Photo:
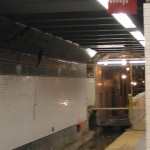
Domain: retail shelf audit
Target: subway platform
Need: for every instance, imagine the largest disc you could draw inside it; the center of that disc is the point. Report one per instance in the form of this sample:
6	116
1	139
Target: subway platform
132	139
129	140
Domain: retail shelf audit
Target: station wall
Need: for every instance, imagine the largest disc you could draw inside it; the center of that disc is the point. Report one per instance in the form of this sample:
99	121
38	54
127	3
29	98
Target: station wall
32	107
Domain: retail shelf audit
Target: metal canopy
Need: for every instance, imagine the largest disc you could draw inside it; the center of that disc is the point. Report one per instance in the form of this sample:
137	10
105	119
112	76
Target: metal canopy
84	22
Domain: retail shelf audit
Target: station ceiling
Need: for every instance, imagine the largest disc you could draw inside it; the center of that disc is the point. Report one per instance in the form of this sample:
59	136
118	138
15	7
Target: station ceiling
84	22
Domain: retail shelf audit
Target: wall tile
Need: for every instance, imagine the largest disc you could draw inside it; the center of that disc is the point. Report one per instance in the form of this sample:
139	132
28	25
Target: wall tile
147	35
147	110
146	20
148	143
147	28
148	123
148	99
147	72
147	61
30	107
148	136
148	126
147	85
147	12
146	6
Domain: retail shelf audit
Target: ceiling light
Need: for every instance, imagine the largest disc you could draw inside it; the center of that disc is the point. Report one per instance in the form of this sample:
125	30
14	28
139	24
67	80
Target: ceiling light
105	63
123	76
124	62
121	62
143	43
124	20
120	17
110	46
91	52
134	83
109	62
106	46
137	62
104	3
138	35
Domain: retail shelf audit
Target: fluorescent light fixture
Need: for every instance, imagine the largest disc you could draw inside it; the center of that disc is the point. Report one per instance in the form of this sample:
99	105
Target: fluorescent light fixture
90	52
106	46
138	35
137	62
110	46
124	62
121	62
124	20
142	43
110	62
120	17
104	3
105	63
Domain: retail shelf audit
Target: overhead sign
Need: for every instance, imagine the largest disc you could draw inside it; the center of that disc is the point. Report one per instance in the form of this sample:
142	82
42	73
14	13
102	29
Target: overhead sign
122	6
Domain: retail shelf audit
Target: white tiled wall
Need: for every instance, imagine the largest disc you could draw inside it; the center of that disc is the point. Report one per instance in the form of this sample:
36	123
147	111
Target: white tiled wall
147	72
30	107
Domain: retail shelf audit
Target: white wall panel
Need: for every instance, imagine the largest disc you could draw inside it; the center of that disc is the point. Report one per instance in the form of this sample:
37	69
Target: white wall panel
30	107
16	110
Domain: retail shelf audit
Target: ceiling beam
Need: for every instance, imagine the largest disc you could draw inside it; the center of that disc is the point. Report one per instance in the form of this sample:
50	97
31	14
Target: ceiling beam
46	6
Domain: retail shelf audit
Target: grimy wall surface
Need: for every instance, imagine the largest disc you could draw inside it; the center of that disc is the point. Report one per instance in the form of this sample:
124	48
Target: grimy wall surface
32	107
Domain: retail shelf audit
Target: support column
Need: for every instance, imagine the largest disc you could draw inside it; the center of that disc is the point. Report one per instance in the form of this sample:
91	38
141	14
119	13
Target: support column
147	69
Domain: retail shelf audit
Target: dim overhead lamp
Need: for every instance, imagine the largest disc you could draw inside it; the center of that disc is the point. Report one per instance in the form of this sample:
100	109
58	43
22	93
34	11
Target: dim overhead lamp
134	83
90	52
123	76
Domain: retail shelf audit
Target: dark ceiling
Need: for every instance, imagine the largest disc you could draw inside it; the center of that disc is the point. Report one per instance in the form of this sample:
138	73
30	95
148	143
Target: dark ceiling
84	22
